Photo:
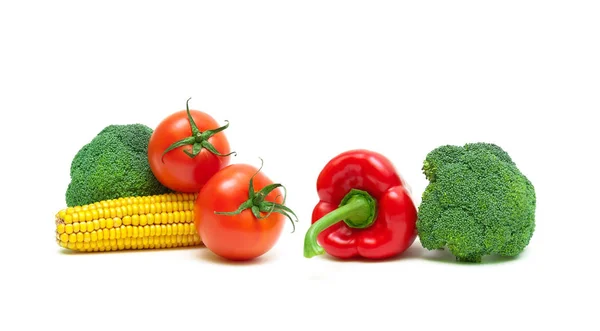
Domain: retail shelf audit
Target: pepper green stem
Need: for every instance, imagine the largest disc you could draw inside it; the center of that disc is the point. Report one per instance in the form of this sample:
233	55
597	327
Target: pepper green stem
358	210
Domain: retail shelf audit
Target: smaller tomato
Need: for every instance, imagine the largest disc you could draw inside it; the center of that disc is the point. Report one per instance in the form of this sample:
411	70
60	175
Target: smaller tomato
186	149
236	222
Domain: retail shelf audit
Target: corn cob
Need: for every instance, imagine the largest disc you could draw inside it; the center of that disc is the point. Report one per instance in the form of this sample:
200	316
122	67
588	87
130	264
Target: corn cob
147	222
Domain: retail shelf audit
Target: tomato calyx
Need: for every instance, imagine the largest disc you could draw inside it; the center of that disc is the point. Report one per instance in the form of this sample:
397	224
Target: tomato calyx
198	139
258	205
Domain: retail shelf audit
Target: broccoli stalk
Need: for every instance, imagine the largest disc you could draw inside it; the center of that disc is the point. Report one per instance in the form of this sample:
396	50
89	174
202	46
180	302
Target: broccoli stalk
113	165
477	203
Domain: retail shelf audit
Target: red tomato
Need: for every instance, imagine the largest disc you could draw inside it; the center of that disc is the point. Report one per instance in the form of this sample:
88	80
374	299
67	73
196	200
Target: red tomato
241	236
202	150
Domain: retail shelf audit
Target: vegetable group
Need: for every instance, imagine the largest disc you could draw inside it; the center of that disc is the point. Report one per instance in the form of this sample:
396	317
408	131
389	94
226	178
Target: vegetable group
113	165
135	188
240	213
477	203
364	209
186	149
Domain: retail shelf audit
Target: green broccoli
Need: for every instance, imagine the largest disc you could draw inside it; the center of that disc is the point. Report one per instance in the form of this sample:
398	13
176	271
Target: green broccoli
477	203
113	165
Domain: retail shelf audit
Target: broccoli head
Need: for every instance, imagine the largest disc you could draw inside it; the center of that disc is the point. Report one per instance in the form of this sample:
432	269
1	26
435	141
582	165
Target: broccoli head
477	203
113	165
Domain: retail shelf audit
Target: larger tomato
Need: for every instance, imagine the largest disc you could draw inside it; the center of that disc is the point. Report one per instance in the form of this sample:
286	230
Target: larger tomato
233	220
186	149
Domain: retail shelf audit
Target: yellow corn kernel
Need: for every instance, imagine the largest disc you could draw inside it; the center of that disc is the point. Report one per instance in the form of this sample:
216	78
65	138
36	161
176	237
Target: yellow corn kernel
88	215
112	233
117	222
96	224
60	228
150	218
69	228
143	219
64	237
71	245
94	214
79	237
129	231
117	233
135	220
75	217
164	218
152	230
135	232
106	234
110	222
135	210
90	226
87	237
76	227
68	218
146	231
72	238
127	220
102	223
93	236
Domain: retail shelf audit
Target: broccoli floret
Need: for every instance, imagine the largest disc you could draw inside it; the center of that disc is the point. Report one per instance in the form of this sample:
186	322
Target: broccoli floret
477	203
113	165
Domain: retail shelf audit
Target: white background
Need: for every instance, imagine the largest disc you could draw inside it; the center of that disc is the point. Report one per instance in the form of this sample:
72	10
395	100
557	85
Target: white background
300	82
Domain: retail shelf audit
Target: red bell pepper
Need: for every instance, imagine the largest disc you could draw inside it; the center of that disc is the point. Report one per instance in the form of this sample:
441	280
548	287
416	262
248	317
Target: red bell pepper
365	209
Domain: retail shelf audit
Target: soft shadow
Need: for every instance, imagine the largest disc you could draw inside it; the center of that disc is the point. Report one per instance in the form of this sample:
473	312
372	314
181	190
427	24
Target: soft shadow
208	256
445	256
64	251
412	252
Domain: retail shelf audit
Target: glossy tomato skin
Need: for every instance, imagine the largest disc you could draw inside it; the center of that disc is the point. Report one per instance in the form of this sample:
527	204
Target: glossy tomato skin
179	172
238	237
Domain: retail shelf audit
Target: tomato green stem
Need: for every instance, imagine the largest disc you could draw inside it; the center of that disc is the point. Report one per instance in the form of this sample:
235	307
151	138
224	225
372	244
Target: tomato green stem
198	139
358	210
257	204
